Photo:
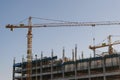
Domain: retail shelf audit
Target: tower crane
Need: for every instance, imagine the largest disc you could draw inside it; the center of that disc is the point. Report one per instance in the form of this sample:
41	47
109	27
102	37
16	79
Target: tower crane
60	24
109	45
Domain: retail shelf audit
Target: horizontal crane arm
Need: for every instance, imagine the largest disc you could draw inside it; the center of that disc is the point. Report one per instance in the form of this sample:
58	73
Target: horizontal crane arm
76	24
104	45
65	24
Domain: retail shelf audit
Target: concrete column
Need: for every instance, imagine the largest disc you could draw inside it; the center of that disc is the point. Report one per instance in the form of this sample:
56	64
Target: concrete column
13	78
36	67
104	70
52	65
75	62
22	68
89	67
41	66
63	67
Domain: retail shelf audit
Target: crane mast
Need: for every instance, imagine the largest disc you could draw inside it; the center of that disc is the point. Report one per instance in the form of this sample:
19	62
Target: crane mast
29	49
110	49
29	45
69	24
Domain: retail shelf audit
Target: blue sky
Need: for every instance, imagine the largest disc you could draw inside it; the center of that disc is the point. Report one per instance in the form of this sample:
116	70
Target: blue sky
13	44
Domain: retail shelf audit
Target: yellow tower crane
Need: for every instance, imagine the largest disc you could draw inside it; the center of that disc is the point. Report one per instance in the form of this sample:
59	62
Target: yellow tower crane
109	45
60	24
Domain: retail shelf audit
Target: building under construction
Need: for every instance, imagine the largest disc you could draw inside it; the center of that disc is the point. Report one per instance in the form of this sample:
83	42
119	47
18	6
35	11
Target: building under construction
105	67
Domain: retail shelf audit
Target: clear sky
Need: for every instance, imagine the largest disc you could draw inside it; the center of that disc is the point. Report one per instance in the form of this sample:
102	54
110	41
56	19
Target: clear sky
13	44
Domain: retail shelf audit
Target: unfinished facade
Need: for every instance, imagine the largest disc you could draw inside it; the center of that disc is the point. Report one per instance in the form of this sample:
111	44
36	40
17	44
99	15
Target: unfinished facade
50	68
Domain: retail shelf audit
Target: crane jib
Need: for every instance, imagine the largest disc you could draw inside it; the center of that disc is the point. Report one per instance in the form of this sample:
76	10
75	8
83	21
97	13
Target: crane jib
69	24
